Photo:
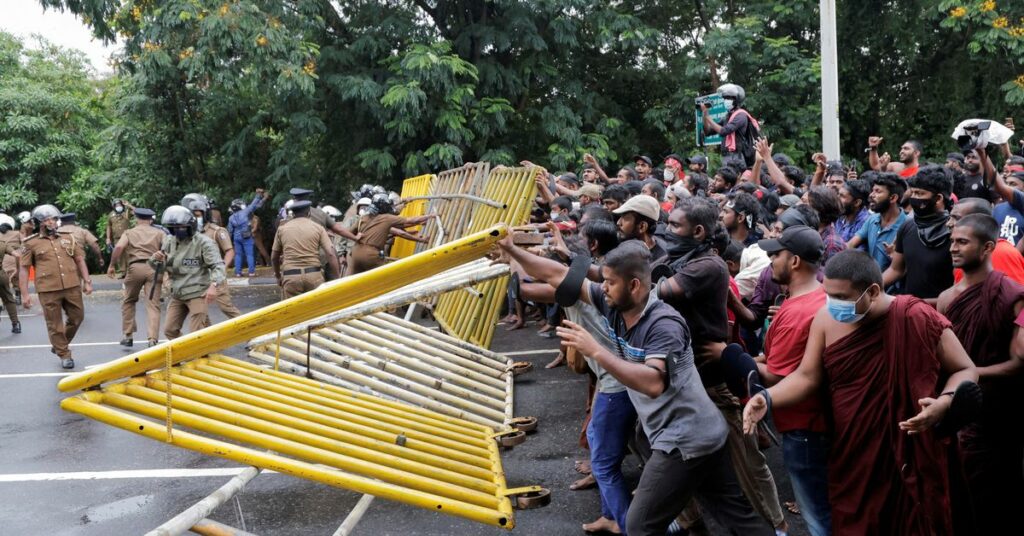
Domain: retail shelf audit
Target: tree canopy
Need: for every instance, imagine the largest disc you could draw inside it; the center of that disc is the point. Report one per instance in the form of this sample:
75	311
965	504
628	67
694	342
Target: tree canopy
221	96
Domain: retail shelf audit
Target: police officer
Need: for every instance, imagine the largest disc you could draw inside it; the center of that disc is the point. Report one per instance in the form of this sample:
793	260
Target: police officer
320	217
138	245
27	227
195	268
8	252
82	236
10	235
296	252
118	221
199	204
375	228
59	262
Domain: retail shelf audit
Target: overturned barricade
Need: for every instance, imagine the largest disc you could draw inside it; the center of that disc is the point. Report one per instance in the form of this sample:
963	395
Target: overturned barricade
361	436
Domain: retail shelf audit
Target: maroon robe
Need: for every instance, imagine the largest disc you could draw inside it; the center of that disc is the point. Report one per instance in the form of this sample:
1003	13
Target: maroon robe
882	480
991	449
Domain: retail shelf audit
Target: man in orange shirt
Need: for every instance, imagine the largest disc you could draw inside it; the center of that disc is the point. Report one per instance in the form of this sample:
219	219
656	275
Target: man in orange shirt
1005	258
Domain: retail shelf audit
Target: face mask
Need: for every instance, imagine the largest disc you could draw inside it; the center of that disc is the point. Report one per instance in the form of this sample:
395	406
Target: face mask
363	211
843	310
181	233
199	222
729	104
669	175
923	207
118	209
556	216
50	231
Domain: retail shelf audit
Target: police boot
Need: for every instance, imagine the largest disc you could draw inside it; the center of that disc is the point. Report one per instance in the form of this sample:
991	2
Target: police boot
67	363
153	342
17	296
127	341
16	326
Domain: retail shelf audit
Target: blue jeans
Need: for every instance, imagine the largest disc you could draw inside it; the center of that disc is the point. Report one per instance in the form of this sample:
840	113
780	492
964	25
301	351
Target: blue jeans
612	419
805	455
244	246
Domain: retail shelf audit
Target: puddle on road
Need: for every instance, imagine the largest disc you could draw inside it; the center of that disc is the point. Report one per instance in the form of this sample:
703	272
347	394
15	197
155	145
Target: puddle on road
116	509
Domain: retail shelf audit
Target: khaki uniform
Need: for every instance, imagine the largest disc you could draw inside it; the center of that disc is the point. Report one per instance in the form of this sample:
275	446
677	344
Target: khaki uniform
320	217
299	242
191	267
375	231
220	236
118	224
57	283
82	236
10	263
257	236
138	245
6	296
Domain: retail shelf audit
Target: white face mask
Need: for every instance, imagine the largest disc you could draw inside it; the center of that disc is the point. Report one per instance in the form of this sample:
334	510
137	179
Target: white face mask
728	104
199	222
362	211
669	174
118	209
555	216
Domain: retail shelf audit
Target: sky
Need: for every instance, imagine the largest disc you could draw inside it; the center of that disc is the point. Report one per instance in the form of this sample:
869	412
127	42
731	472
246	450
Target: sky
26	17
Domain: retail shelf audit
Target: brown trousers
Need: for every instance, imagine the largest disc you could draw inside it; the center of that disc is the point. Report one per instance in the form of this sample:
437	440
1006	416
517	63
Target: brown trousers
196	311
293	285
55	305
224	302
7	297
363	258
139	279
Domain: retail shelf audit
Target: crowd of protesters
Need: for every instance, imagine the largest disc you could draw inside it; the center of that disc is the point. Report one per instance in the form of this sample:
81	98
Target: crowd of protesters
867	322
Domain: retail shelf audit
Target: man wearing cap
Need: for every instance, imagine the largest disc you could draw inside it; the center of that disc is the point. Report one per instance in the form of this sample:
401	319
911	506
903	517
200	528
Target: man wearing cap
589	194
82	235
955	161
637	219
794	262
567	184
643	165
296	252
673	171
59	263
697	163
118	221
137	245
8	251
320	217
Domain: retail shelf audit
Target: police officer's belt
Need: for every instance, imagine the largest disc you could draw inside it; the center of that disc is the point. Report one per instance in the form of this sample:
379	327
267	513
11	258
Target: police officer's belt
137	261
299	271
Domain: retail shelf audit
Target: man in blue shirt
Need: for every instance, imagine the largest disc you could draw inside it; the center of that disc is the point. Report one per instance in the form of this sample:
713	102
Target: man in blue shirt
1010	215
879	231
853	194
241	231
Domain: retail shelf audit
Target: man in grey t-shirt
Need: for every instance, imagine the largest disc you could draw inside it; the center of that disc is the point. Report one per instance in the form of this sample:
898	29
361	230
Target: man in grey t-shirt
655	362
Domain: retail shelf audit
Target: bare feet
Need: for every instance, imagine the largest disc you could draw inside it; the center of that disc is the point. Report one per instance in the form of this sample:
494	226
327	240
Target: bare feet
557	362
586	482
508	319
603	524
582	467
518	324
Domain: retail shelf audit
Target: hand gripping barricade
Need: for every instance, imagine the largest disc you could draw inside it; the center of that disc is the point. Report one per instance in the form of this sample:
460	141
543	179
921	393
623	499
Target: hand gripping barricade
354	435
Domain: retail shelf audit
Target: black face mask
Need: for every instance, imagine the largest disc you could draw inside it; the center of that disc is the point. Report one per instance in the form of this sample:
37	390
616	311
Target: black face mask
678	246
923	207
181	233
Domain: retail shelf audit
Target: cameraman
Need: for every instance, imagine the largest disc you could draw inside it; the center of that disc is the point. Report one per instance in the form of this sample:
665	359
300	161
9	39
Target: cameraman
740	129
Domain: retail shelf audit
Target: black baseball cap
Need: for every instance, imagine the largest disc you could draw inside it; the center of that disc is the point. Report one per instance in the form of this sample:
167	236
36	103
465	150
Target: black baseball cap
643	157
675	157
570	176
799	240
698	159
959	157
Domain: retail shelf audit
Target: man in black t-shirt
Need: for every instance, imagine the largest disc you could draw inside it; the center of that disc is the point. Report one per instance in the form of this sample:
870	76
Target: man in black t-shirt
979	174
921	254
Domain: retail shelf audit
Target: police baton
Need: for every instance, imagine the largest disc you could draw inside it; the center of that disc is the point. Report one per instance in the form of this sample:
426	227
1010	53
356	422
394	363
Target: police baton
156	279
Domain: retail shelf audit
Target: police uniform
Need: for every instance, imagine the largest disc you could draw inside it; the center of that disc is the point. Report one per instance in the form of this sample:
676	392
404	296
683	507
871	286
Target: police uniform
82	235
137	245
10	263
219	235
316	214
117	224
298	244
374	231
257	238
6	296
191	265
55	259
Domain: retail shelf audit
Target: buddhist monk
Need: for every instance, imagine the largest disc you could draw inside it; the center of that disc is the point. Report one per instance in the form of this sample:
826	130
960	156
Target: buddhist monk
982	308
881	359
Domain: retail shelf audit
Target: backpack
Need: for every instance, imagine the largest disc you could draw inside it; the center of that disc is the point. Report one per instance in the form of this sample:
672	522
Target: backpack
745	139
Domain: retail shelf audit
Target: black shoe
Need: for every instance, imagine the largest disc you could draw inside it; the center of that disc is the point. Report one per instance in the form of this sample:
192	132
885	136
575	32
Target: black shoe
17	297
53	350
153	342
67	363
127	341
16	327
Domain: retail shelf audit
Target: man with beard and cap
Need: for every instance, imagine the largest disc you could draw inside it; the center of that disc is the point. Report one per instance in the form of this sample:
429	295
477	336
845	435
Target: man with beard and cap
983	308
921	254
138	245
1005	257
195	268
200	206
83	236
320	217
853	195
296	252
697	163
979	175
879	230
699	290
9	251
637	219
643	166
59	263
955	161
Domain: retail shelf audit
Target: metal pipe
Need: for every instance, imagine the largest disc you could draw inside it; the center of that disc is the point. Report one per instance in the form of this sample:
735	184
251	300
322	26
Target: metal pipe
324	299
181	523
354	516
88	404
209	527
473	198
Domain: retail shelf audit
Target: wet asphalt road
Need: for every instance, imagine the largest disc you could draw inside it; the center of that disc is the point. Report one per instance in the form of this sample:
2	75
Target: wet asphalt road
41	444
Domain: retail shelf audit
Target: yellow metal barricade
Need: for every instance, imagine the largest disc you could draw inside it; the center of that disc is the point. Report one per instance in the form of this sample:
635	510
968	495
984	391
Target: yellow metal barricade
471	317
412	187
454	212
342	437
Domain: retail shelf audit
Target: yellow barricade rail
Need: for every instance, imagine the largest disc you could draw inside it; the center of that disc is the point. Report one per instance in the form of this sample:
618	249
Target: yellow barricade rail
342	437
472	317
412	187
454	212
